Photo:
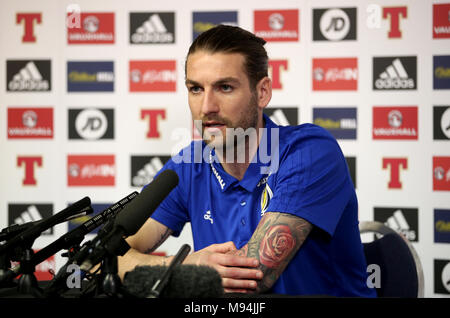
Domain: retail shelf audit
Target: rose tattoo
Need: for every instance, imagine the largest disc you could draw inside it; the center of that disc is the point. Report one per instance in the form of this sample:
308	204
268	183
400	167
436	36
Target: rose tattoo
277	243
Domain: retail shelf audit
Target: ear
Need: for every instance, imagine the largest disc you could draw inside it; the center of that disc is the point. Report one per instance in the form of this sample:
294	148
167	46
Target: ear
264	92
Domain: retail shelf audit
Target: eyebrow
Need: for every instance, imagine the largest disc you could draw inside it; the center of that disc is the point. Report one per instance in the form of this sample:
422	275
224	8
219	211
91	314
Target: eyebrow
218	82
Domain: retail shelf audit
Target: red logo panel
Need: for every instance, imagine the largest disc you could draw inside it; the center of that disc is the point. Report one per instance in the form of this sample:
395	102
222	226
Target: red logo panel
277	25
441	173
395	123
441	21
335	74
153	76
95	28
44	269
91	170
30	123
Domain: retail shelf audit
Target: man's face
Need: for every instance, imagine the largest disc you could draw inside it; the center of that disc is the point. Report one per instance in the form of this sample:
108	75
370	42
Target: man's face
219	95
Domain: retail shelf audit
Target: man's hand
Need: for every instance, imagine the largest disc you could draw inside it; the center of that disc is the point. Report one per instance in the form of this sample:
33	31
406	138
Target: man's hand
239	273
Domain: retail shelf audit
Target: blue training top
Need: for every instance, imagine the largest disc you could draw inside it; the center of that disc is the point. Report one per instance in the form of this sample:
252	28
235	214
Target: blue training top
298	170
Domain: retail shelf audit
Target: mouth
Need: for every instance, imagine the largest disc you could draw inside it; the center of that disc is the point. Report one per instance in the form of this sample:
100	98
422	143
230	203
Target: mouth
213	125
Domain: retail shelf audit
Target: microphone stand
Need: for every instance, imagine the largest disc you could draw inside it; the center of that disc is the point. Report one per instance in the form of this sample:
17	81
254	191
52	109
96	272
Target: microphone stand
108	282
28	282
111	284
5	264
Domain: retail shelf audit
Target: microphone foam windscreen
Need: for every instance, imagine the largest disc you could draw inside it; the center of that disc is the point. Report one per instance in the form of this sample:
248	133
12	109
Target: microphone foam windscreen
133	216
186	281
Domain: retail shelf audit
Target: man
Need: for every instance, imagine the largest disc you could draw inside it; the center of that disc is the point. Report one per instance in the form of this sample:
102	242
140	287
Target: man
272	208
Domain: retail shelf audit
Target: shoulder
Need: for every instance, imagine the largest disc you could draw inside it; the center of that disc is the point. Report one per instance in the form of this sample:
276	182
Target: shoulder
305	135
309	152
307	141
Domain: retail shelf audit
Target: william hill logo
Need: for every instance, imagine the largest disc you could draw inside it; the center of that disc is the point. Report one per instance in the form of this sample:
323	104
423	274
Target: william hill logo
441	72
203	21
441	226
340	122
90	76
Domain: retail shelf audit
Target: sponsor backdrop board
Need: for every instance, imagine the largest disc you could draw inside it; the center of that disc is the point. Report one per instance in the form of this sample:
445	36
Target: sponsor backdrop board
92	103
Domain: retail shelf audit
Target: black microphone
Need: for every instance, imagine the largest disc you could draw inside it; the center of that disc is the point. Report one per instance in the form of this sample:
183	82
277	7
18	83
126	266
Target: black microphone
75	237
72	237
161	283
130	220
15	229
28	236
186	281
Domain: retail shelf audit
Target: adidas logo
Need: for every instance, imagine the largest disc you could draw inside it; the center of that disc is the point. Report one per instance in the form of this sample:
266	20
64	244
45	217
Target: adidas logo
279	118
147	173
29	215
28	79
395	77
398	223
152	30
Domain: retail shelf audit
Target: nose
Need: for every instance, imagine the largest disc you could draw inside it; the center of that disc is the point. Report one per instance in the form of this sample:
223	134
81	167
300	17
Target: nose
209	103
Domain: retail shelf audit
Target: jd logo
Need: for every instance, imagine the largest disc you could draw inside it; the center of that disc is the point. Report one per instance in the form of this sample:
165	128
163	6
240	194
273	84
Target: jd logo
91	123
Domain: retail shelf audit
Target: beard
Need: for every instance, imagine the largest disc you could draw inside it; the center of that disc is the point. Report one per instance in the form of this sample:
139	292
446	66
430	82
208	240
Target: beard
236	133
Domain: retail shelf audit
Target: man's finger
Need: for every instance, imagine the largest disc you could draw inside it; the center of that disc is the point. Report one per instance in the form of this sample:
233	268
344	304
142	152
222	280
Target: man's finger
240	273
238	284
223	248
236	290
235	260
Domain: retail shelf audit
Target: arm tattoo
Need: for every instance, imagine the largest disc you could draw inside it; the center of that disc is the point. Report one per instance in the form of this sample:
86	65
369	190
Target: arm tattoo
161	240
275	241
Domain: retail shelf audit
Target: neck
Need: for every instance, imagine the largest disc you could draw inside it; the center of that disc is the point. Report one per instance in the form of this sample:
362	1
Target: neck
235	160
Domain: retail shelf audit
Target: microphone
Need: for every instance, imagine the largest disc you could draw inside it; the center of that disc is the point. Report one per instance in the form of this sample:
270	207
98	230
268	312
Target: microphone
73	237
76	235
161	283
15	229
130	220
29	235
186	281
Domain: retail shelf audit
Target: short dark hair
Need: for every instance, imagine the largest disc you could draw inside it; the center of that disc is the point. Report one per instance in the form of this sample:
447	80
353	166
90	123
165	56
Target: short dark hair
232	39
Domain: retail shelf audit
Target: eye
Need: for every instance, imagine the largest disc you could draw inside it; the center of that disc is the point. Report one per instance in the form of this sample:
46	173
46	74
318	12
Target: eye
226	88
195	89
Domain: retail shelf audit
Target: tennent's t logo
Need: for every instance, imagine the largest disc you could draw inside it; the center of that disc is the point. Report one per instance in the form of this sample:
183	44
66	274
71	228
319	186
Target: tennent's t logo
393	14
153	115
29	163
275	67
394	164
28	25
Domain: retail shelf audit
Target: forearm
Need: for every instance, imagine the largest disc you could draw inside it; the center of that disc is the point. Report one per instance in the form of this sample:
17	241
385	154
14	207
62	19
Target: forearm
149	237
270	275
274	243
135	258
